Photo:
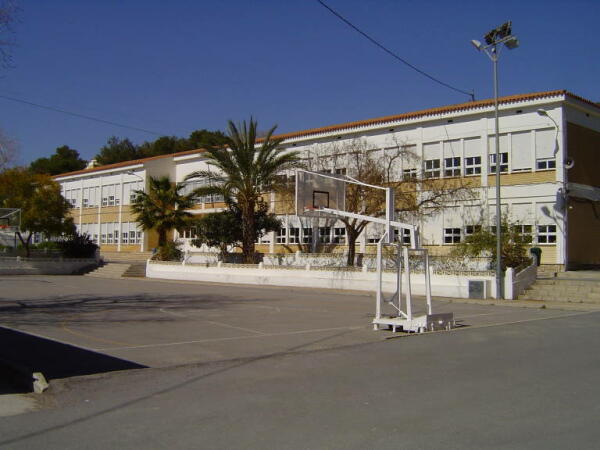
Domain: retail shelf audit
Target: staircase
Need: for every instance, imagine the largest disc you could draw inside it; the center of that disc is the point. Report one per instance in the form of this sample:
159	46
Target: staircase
125	257
110	270
566	287
136	270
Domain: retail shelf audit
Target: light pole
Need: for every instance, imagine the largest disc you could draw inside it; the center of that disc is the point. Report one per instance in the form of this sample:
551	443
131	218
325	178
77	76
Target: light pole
496	37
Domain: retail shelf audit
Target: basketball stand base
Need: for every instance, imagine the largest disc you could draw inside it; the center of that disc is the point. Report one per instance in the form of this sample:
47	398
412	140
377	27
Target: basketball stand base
418	324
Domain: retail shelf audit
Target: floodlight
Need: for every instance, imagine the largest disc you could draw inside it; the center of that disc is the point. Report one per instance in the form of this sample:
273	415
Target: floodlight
511	43
542	112
476	44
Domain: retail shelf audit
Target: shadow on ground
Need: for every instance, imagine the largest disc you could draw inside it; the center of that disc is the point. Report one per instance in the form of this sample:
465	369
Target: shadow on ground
54	359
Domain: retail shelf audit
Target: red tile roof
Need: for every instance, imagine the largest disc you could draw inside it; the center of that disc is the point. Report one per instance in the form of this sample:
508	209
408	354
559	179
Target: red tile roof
363	123
132	162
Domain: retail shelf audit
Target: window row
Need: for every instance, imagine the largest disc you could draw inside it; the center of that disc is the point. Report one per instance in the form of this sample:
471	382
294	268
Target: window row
545	234
113	233
191	186
453	167
107	195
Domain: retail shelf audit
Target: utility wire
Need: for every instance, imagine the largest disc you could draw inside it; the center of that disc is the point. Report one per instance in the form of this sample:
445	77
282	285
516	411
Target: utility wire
81	116
394	55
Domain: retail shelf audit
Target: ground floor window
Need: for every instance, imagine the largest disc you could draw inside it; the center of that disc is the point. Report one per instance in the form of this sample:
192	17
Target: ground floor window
325	235
307	235
451	235
339	235
546	234
281	234
294	235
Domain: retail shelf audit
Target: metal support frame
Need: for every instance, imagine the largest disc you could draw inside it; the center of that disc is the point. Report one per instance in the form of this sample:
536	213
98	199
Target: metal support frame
403	319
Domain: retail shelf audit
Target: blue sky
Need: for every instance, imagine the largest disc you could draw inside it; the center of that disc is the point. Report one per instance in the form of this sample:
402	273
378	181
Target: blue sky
173	67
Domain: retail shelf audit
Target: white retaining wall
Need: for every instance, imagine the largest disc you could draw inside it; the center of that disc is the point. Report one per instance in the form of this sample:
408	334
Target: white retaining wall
43	266
442	285
516	283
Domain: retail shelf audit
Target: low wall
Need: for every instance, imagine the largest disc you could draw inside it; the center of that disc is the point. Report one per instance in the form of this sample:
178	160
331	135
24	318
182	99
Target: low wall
516	283
442	284
338	260
43	266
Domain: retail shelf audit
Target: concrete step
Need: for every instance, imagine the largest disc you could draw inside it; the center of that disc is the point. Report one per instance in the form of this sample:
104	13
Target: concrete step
125	256
559	296
593	292
566	282
137	270
593	275
559	299
110	270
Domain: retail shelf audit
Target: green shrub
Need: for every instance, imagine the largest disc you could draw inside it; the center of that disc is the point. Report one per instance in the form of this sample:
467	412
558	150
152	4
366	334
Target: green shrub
77	246
168	252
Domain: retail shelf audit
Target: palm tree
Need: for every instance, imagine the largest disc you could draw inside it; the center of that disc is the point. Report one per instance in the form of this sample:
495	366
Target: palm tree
244	171
162	208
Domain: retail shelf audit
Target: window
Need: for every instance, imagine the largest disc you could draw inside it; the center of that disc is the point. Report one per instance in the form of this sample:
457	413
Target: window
324	235
409	174
452	167
189	233
339	235
294	235
470	229
546	234
545	164
451	235
432	168
307	234
503	162
340	171
281	234
524	230
85	203
473	165
405	235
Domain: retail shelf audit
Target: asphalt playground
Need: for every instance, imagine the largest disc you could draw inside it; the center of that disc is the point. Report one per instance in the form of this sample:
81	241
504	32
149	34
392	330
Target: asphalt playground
73	325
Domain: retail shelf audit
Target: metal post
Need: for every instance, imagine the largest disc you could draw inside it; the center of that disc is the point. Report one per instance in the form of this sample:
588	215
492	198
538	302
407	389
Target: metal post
499	284
399	275
378	293
427	281
407	281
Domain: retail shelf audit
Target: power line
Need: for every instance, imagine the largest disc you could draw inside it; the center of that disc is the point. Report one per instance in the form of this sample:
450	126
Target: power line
390	52
81	116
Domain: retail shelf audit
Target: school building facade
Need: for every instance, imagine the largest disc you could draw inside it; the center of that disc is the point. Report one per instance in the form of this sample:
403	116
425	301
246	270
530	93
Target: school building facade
549	148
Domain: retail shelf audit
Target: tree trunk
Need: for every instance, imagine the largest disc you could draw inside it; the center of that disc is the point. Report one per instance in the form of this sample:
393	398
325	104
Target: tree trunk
352	236
249	232
25	243
162	237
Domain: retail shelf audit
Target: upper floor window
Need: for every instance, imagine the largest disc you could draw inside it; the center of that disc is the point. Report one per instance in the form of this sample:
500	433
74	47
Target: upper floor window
409	174
503	163
452	167
473	165
432	168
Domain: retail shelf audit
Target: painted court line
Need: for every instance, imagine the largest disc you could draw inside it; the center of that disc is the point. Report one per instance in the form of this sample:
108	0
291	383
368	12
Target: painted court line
200	341
226	325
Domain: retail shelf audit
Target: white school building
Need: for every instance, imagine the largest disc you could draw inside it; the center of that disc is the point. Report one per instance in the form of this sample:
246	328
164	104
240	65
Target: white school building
549	146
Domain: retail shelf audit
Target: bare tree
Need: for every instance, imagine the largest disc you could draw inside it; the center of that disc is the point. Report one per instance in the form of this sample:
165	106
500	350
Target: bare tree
8	151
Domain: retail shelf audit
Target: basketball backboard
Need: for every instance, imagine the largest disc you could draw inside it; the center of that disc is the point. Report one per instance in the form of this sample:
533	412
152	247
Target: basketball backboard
315	191
10	219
